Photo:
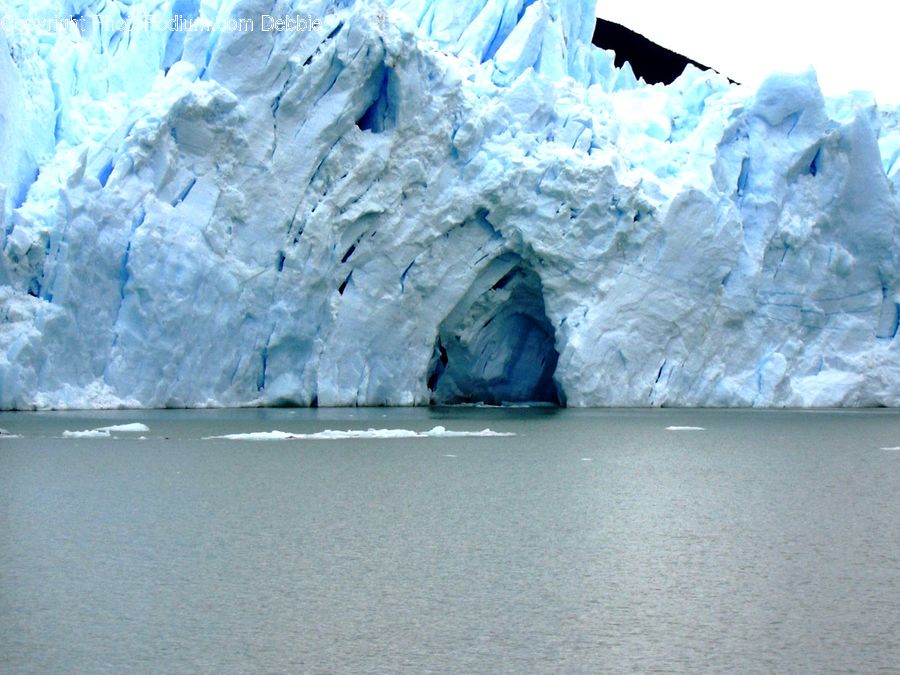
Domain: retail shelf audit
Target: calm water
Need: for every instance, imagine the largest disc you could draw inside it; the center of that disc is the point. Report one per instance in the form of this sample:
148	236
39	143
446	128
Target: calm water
591	541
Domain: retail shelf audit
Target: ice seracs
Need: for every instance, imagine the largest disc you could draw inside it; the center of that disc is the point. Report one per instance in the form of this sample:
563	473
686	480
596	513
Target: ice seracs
426	201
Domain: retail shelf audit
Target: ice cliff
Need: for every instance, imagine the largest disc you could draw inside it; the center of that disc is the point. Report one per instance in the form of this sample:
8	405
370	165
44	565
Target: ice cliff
423	200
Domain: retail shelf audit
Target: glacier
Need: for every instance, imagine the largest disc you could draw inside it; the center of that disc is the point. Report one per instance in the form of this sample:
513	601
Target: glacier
417	201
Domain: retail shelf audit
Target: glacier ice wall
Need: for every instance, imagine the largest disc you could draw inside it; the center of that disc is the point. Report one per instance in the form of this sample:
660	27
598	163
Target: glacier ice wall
424	201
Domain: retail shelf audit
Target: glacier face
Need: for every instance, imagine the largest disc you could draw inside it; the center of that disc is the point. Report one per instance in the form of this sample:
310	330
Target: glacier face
425	200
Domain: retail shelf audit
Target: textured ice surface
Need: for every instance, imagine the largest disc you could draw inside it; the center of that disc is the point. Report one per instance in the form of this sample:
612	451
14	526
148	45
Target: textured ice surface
420	200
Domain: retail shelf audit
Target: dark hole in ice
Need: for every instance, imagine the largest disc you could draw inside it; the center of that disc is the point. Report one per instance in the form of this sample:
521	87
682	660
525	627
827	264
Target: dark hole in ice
34	288
814	164
343	286
382	114
505	279
498	346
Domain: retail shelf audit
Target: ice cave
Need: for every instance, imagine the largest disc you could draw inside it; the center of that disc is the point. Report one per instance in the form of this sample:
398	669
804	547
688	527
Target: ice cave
497	345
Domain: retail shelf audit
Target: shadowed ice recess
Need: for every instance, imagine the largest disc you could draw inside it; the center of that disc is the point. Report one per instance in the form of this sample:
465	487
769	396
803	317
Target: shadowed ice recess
497	345
428	202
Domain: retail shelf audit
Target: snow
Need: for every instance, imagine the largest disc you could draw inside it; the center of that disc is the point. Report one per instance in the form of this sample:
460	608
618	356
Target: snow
329	435
235	218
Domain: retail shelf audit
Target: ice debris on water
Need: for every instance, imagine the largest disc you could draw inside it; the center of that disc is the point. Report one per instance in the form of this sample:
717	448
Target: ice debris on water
87	433
106	432
329	435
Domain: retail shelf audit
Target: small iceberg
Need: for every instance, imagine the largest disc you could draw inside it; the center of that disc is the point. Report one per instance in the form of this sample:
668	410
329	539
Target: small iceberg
685	428
331	435
106	432
133	428
87	433
441	432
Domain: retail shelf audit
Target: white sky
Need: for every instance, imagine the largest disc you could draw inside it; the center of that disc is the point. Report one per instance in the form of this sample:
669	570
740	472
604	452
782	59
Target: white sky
747	41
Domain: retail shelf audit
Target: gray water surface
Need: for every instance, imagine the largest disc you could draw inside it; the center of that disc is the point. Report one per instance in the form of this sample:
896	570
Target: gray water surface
592	541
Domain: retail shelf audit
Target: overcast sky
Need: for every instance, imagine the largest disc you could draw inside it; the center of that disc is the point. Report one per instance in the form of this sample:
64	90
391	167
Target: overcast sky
852	45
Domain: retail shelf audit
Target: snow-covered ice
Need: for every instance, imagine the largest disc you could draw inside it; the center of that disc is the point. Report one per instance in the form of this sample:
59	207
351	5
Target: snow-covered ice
415	201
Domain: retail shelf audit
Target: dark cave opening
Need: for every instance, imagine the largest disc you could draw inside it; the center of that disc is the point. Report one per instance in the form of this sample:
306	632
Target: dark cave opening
381	115
497	346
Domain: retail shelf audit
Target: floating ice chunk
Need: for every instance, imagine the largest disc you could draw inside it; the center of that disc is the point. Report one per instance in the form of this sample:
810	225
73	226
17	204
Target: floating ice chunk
685	429
331	435
135	427
445	433
105	432
587	459
894	449
255	436
87	433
